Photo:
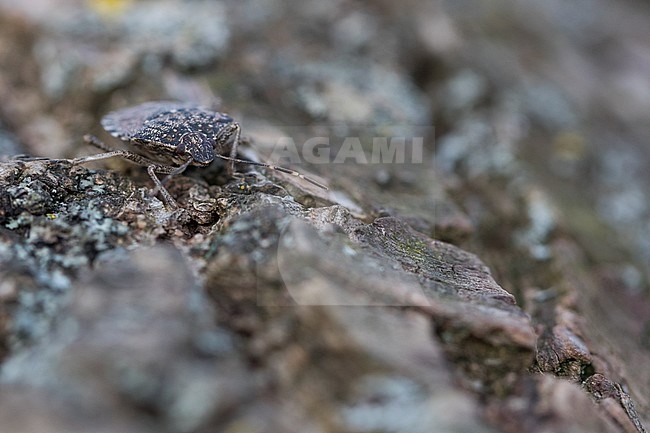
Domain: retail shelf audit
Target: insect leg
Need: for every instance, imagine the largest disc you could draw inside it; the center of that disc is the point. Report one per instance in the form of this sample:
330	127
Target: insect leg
275	167
233	159
110	153
99	157
177	171
233	149
152	169
94	141
170	173
29	158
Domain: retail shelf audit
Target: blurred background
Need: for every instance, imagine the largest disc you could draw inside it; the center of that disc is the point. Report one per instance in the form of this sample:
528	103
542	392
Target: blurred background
562	88
545	93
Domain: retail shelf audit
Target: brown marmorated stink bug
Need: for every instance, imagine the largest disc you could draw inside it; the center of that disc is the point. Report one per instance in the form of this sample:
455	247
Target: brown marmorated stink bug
167	137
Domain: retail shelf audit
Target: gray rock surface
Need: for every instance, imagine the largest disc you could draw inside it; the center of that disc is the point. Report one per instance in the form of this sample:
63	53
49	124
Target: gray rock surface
496	284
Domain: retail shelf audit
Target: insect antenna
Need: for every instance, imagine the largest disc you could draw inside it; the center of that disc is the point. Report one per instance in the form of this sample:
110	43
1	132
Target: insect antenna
275	167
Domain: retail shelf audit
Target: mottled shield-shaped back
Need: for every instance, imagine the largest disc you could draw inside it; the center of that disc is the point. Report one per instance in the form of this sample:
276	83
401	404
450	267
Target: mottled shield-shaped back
165	123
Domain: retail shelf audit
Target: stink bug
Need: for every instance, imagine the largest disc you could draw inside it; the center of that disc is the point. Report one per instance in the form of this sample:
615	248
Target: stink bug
167	137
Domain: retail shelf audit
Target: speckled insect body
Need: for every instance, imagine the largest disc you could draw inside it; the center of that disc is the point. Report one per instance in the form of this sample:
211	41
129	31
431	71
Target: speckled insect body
167	137
171	133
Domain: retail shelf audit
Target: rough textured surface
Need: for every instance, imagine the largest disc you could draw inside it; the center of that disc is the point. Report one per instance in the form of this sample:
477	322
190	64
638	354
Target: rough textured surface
498	285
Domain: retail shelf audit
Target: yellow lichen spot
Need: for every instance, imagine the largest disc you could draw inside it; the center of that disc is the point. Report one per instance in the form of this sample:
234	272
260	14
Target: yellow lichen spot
241	426
50	216
569	145
109	8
